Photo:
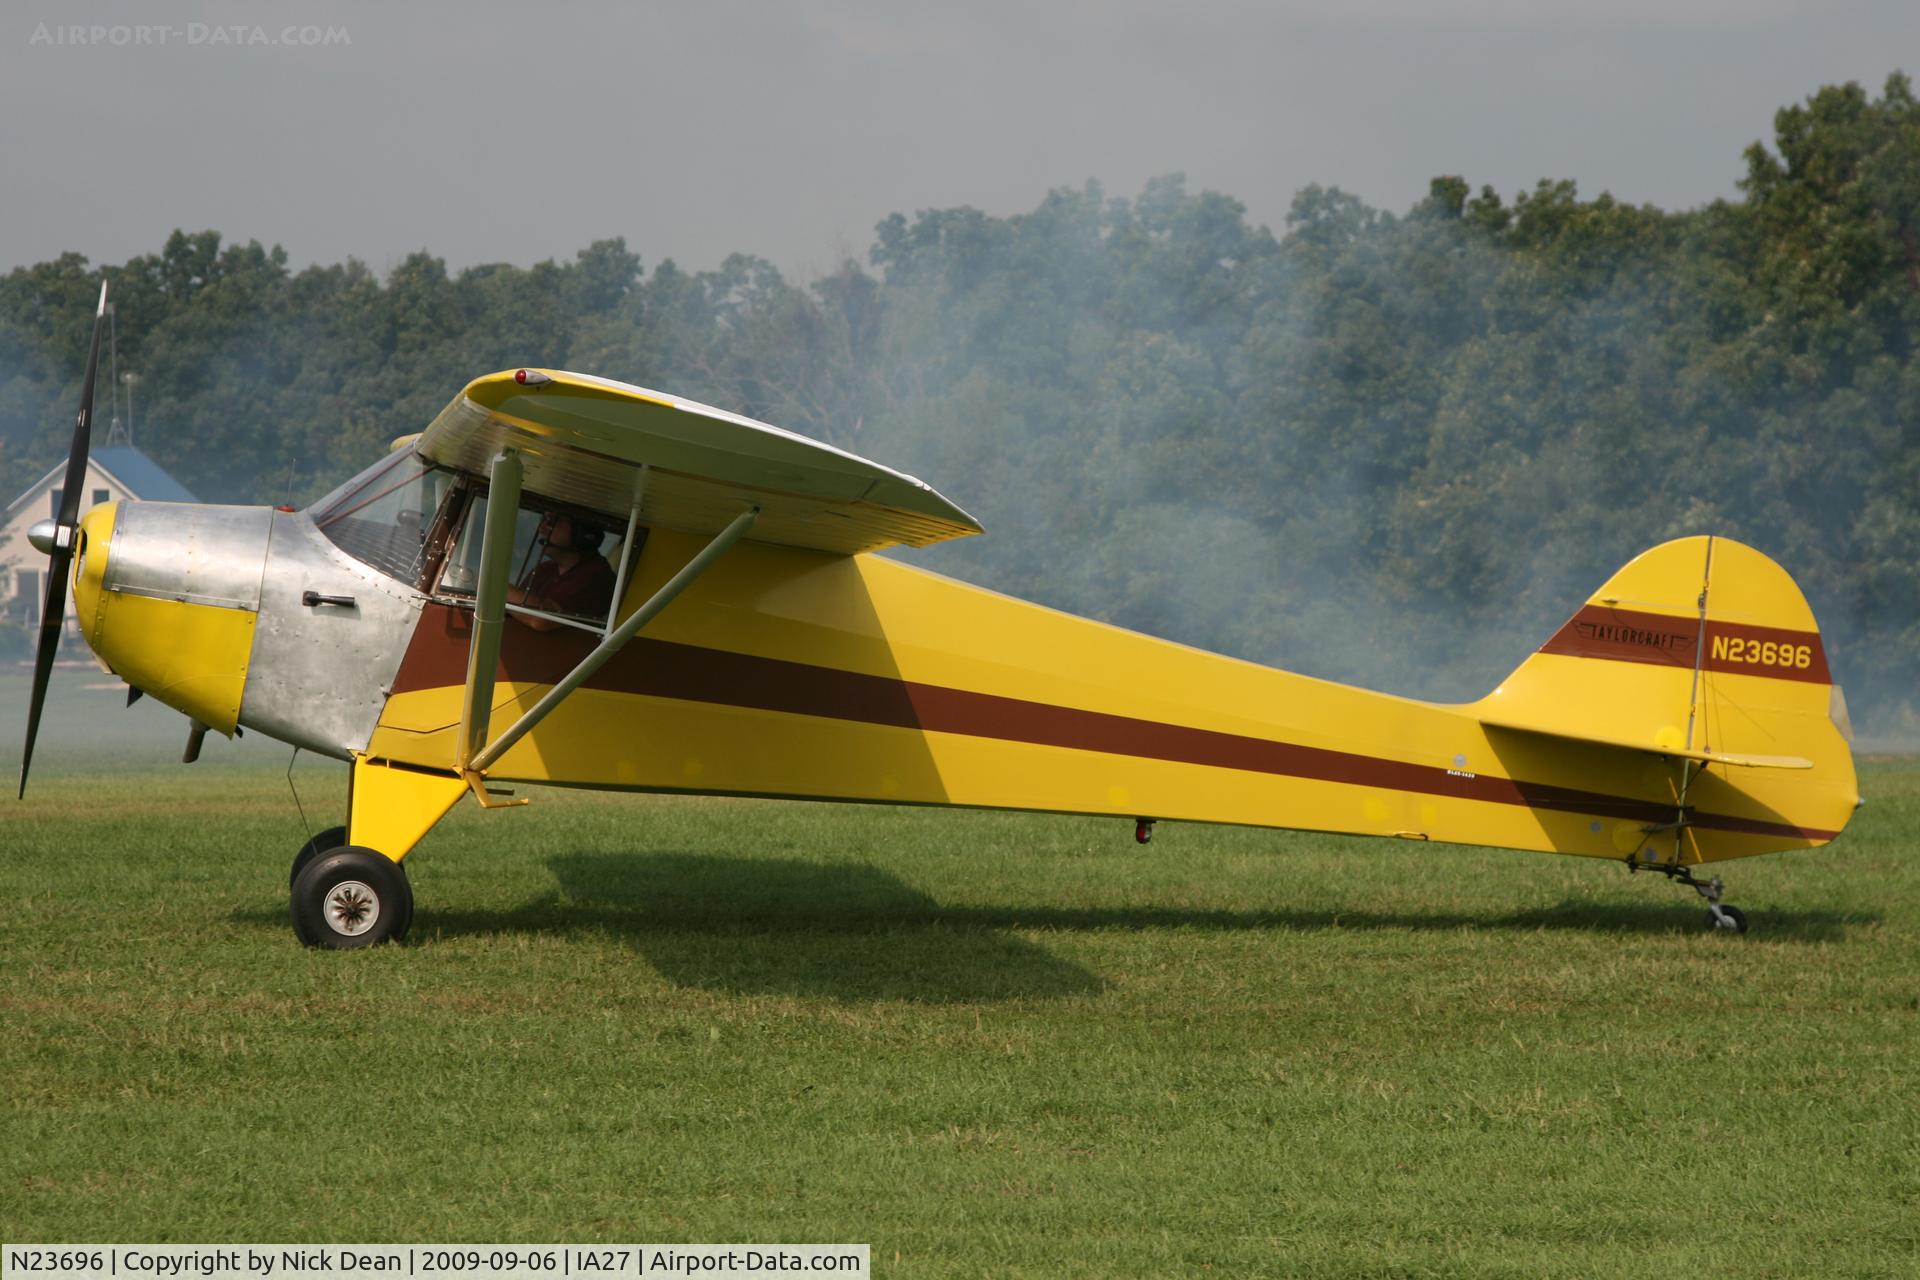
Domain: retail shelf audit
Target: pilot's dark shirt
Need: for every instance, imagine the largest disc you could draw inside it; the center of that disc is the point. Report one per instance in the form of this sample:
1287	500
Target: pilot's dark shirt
584	590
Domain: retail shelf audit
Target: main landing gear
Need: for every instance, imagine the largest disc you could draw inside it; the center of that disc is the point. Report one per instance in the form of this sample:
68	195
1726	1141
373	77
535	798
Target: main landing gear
1719	915
346	897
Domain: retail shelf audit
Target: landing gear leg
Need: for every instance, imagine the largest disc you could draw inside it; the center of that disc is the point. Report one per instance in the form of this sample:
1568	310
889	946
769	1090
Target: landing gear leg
1719	914
348	891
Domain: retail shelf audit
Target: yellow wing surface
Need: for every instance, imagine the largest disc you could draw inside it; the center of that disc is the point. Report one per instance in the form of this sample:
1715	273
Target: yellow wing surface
690	467
789	671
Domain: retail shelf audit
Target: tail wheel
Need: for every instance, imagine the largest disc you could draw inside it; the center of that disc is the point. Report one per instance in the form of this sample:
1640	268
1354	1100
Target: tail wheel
1729	918
326	842
351	898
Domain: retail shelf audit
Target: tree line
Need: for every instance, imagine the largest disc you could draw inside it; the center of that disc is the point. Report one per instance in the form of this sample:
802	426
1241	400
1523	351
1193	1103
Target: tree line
1387	448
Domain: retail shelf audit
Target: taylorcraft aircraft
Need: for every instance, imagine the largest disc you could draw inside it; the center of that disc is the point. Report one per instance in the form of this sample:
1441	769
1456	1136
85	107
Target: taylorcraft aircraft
447	621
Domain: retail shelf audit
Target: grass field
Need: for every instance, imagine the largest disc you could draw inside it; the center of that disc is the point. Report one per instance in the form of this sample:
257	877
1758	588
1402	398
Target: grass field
987	1044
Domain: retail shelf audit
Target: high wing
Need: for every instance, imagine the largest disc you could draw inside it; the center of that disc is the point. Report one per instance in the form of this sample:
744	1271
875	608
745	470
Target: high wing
605	445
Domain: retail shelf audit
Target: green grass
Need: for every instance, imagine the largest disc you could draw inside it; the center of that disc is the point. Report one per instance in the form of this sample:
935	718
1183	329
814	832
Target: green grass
987	1044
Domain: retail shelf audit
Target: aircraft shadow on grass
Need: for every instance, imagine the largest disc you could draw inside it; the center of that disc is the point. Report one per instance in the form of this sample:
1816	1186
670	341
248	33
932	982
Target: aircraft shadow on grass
854	932
845	931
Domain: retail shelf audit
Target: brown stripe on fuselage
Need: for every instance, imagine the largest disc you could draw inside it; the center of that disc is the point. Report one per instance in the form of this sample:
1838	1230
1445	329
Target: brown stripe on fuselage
1629	635
437	658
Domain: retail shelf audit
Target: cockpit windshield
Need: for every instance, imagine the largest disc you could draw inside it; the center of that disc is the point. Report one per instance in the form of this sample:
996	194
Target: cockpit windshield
383	515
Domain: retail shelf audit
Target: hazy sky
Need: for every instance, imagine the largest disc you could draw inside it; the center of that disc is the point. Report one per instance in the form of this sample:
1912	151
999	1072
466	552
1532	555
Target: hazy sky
488	133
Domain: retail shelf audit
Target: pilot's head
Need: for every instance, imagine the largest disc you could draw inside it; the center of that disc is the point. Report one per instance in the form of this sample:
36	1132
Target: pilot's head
570	533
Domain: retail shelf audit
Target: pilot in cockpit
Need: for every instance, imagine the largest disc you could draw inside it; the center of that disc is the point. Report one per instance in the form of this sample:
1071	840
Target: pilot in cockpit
572	576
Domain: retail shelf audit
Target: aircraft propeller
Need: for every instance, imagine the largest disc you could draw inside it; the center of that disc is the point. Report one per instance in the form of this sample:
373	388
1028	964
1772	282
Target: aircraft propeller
56	538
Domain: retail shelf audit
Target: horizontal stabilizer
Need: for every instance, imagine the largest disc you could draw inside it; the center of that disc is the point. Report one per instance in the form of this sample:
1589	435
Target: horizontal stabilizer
1736	759
1746	761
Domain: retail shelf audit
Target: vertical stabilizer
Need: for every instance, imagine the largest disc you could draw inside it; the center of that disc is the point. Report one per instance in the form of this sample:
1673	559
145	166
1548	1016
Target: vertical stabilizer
1704	651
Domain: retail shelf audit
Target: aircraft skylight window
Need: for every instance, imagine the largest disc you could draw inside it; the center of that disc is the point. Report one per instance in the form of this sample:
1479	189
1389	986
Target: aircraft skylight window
384	521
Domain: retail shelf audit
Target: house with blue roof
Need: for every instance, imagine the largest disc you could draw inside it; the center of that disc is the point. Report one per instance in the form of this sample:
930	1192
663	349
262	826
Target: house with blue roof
115	473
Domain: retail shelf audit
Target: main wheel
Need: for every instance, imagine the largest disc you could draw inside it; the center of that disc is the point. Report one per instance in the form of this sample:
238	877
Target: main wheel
326	842
351	897
1735	914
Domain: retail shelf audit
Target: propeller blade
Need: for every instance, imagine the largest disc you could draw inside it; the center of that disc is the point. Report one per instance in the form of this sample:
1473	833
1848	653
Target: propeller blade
55	607
53	612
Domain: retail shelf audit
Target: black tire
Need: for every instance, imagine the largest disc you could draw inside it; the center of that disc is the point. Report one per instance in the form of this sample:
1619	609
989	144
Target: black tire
1734	914
351	898
326	842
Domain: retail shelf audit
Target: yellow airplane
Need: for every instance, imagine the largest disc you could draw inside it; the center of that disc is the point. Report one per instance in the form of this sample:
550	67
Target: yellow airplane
571	581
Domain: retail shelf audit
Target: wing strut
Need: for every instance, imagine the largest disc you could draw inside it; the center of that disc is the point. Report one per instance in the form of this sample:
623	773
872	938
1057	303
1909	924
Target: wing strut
490	601
615	640
626	550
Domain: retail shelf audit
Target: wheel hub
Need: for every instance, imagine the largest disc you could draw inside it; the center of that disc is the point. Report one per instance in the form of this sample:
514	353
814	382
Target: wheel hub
352	908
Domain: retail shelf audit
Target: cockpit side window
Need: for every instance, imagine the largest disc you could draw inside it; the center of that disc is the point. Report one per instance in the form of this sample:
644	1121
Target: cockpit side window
383	516
563	562
462	571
